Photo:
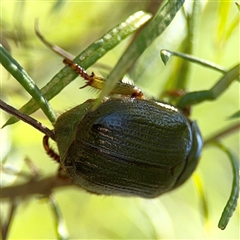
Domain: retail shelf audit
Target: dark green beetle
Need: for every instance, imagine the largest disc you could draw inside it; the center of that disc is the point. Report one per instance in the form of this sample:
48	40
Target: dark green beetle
128	146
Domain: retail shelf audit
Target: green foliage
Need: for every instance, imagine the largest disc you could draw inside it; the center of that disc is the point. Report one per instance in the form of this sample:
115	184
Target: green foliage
74	26
85	59
13	67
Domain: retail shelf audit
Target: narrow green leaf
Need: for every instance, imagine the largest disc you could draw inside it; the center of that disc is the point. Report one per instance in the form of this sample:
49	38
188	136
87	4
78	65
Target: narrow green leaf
225	27
154	29
61	228
234	25
193	98
235	115
223	11
166	54
14	68
202	196
234	195
179	76
88	57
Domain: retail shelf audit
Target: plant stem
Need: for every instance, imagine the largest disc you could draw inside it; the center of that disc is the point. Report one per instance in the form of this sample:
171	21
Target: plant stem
29	120
223	133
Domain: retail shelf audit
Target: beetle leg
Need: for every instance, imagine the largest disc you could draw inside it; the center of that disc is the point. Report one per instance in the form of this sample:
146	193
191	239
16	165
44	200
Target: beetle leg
81	71
97	82
50	152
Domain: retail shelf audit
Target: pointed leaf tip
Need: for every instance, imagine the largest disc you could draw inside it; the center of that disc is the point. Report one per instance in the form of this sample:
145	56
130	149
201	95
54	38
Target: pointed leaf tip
165	55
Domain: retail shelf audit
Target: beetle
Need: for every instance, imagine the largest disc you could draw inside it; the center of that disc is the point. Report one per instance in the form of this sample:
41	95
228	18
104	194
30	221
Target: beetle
127	145
177	173
128	165
132	146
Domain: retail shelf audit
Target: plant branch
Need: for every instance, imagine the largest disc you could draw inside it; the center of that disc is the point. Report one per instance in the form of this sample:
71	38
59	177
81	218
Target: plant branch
223	133
6	225
29	120
42	186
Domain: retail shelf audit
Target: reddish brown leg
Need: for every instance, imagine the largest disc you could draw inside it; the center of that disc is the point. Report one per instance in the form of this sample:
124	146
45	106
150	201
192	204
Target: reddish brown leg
81	71
50	152
97	82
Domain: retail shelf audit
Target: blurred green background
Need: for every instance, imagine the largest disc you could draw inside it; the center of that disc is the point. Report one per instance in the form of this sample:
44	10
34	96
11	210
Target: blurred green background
73	26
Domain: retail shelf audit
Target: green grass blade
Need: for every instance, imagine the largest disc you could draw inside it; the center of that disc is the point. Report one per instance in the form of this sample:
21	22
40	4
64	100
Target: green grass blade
209	95
234	195
60	225
14	68
224	12
181	70
154	29
166	54
202	196
88	57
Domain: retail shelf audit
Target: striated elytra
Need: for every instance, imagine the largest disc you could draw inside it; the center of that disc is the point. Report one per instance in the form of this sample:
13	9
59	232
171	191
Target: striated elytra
128	146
